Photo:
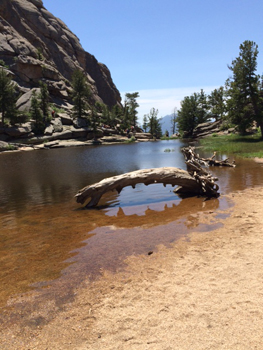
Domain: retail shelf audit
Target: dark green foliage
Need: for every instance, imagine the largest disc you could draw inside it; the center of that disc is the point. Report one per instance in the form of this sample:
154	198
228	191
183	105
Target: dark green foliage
154	123
244	102
116	114
7	97
44	99
109	117
217	103
36	115
106	117
19	118
80	94
2	64
40	54
194	111
130	109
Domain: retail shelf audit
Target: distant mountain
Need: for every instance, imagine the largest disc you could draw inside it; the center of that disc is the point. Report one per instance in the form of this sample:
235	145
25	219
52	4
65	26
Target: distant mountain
167	124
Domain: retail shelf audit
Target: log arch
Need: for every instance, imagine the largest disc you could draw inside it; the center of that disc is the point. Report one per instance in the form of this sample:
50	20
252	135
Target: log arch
195	181
167	176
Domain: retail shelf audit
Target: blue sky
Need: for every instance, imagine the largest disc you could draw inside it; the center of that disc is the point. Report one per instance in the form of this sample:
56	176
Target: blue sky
164	49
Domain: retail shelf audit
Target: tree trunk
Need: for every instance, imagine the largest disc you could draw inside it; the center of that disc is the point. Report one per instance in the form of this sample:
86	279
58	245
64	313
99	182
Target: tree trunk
195	181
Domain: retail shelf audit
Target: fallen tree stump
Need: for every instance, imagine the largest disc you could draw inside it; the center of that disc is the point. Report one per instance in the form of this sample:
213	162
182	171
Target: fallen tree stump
191	185
195	181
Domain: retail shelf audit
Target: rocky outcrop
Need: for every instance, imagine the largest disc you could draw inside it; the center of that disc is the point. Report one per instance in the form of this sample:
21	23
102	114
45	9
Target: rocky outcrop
206	129
38	46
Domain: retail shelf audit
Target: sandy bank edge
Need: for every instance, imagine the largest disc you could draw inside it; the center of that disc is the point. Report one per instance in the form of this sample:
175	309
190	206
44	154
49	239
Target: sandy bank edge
202	294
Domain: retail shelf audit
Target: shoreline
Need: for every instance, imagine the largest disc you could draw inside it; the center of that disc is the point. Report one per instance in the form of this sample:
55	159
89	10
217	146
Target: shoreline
67	143
205	292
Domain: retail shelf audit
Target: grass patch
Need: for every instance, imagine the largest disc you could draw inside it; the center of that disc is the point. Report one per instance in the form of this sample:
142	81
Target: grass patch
131	139
245	146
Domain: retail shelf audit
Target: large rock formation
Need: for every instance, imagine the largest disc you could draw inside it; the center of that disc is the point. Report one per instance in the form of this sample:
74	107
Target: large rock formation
38	46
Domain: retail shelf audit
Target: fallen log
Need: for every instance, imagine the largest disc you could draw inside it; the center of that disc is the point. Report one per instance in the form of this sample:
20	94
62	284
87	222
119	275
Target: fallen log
191	156
195	181
188	184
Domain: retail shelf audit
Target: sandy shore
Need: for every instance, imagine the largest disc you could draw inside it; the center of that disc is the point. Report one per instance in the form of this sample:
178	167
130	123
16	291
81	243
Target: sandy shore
206	293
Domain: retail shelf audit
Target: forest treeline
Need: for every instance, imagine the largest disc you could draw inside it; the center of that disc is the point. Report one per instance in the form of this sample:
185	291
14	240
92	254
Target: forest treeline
239	103
96	113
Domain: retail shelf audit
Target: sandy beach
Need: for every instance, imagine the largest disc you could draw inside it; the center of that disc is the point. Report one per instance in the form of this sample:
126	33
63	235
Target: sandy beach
205	292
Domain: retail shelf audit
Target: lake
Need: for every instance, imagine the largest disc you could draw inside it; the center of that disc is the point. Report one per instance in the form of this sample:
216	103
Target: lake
49	243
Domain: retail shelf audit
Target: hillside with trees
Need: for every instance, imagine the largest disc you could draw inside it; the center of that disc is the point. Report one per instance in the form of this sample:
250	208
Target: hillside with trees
50	87
238	104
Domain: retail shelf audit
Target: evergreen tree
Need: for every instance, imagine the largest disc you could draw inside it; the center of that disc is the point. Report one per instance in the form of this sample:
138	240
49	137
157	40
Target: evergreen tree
116	114
202	108
217	104
243	89
7	96
36	115
104	111
194	111
154	123
131	106
80	94
44	99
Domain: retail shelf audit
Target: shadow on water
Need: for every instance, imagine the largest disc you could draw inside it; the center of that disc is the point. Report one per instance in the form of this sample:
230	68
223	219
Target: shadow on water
49	245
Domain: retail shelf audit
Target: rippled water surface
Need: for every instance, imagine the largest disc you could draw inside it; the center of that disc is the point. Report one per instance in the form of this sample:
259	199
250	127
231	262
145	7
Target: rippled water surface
46	238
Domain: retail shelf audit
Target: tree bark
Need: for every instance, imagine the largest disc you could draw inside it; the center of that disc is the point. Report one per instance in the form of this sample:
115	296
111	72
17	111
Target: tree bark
195	181
190	185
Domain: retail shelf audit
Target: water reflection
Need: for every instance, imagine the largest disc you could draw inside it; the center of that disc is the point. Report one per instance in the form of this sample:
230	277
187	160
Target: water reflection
43	231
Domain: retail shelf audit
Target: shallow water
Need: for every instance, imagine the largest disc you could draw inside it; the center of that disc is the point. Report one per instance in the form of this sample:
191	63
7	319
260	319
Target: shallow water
48	240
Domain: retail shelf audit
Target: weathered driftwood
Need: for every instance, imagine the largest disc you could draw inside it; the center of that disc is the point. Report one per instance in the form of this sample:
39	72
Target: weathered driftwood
194	185
191	156
195	181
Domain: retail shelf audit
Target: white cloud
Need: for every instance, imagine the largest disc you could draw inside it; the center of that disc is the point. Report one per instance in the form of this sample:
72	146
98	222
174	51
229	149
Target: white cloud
165	100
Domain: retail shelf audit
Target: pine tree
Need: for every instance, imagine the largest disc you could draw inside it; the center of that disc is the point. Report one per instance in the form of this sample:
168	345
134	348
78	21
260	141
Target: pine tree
7	96
243	89
194	111
36	115
44	99
217	104
154	123
131	106
80	94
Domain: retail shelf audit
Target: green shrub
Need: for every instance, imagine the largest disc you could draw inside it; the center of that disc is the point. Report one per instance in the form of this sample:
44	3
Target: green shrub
131	139
2	63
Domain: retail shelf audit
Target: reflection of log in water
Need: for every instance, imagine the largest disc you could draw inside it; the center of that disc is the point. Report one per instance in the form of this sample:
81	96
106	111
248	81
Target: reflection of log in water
169	175
195	181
